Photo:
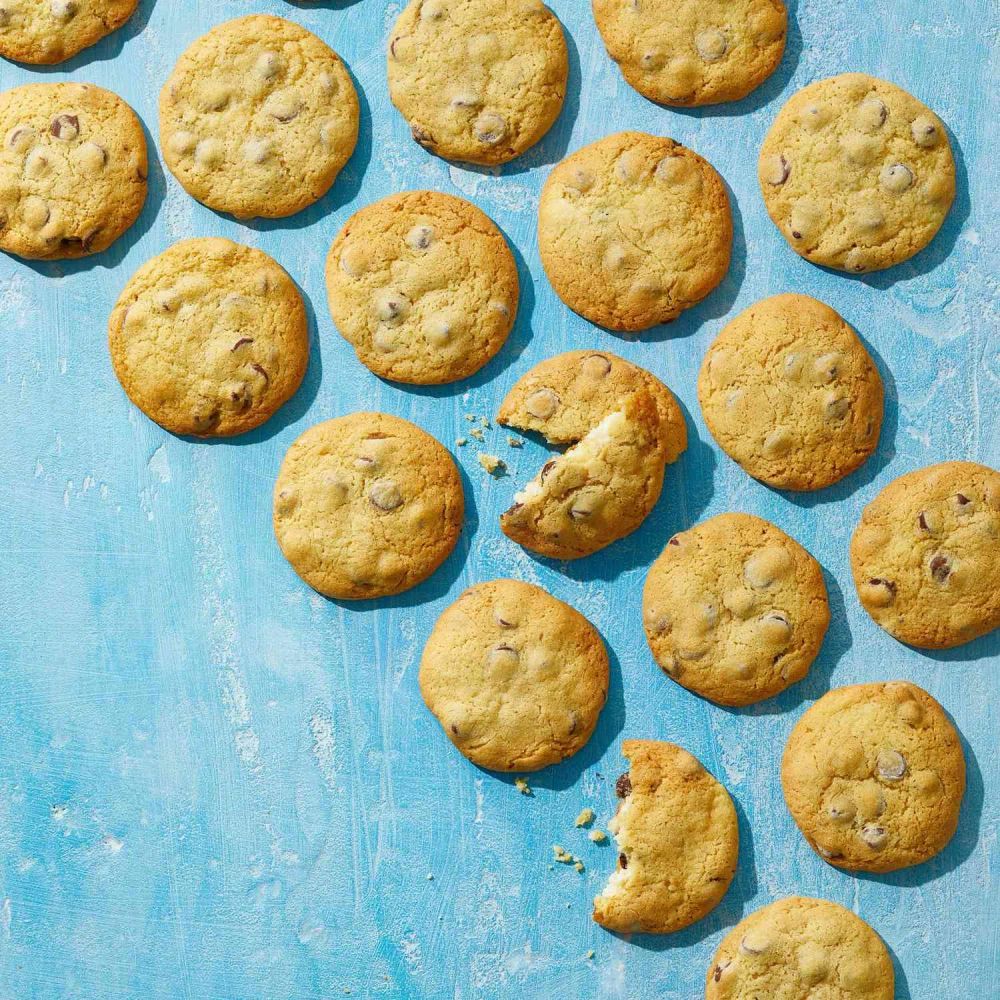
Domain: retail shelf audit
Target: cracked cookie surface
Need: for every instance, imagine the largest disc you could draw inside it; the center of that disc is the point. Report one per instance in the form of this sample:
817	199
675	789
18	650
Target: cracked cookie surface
678	842
209	338
874	775
423	286
634	229
72	170
799	947
857	174
51	31
479	81
689	52
258	117
367	505
734	609
790	393
516	678
926	555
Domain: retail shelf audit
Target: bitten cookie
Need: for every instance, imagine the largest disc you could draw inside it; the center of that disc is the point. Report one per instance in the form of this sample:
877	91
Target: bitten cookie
800	947
367	505
789	391
72	170
50	31
564	397
258	118
856	173
926	555
687	52
479	81
734	609
678	842
874	775
209	338
516	678
423	286
634	229
600	490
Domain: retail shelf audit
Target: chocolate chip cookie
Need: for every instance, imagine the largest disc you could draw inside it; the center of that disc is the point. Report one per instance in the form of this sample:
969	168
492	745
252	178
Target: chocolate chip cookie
479	81
72	170
258	118
687	52
634	229
209	338
50	31
678	842
423	286
874	775
516	678
734	609
801	947
789	391
857	174
367	505
926	555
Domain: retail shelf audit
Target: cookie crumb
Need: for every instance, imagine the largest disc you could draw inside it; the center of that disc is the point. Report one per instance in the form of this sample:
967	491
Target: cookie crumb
461	442
485	422
586	817
561	855
590	954
493	465
598	836
430	876
514	442
521	784
469	417
579	866
476	433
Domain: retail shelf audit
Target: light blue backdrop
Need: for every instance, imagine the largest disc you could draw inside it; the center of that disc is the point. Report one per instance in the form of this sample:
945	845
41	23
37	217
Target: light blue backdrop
216	784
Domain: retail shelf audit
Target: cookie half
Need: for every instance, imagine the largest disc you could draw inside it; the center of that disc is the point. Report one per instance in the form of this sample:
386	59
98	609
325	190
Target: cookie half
689	53
479	81
799	947
735	610
874	775
789	391
209	338
926	555
423	286
50	31
678	842
857	174
516	678
258	118
73	170
367	505
634	229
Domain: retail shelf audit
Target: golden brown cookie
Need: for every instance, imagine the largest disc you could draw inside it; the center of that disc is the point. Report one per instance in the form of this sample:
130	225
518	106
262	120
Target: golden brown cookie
678	842
50	31
367	505
634	229
874	775
516	678
423	286
209	338
789	391
926	555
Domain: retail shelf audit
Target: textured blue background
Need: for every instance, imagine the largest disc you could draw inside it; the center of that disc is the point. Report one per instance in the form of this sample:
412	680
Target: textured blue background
216	784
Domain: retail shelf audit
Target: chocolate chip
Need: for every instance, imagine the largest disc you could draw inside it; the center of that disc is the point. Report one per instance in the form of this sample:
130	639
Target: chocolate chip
260	371
922	521
623	786
940	567
239	343
596	366
890	765
546	468
886	584
777	170
65	127
489	128
542	404
719	969
896	177
623	861
874	835
421	135
420	237
674	541
392	47
924	132
385	495
711	44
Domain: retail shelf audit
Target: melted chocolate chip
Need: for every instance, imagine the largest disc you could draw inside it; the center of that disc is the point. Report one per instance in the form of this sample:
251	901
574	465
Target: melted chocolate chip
623	861
623	786
940	568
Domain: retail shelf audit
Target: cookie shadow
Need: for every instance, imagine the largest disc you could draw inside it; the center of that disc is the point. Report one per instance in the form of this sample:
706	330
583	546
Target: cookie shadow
902	991
986	647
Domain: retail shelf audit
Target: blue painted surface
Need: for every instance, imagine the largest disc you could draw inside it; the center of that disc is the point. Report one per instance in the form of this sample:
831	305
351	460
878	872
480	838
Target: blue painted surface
215	784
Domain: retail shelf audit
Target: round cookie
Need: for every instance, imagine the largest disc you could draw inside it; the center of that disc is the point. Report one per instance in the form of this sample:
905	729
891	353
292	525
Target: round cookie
50	31
678	842
423	286
873	775
926	555
209	338
789	391
367	505
516	678
634	229
564	397
258	118
72	170
857	174
734	609
801	947
478	81
687	52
